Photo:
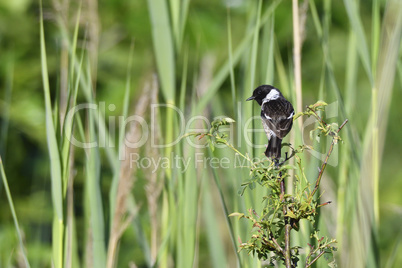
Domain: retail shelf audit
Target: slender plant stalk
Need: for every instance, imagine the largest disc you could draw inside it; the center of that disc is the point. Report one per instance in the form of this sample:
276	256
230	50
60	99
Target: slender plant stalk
288	256
297	57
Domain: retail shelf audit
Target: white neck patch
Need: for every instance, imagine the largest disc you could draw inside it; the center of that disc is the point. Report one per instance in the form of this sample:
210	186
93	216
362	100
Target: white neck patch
272	95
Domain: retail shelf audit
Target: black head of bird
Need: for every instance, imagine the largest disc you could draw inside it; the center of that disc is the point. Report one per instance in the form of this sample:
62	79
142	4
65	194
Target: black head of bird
265	92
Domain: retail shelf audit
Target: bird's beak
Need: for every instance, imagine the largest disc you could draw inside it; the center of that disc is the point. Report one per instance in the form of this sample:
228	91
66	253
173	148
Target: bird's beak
251	98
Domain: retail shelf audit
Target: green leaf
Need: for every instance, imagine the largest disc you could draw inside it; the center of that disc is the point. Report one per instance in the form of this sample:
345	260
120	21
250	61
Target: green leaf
220	140
291	214
304	206
237	214
251	185
228	120
298	115
319	104
211	145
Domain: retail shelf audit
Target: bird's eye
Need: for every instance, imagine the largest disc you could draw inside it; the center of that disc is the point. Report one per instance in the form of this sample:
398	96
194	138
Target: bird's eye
259	92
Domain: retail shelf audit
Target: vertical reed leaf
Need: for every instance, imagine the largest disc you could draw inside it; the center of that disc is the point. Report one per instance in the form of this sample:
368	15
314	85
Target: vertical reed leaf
55	166
231	67
95	209
163	46
215	243
357	26
254	48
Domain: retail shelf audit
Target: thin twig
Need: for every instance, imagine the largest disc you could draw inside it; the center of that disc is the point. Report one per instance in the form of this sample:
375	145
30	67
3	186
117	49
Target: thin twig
278	247
318	117
287	158
283	190
324	204
323	166
343	124
315	259
309	254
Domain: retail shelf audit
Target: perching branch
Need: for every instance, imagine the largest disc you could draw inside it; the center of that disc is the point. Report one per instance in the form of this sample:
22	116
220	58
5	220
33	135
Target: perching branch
288	256
287	158
286	252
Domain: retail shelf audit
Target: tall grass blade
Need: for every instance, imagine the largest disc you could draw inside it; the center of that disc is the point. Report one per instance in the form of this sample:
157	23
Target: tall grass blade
175	15
73	46
51	135
375	35
269	48
188	197
68	127
11	205
93	193
6	109
163	42
231	66
183	82
140	232
216	247
396	248
357	26
71	250
350	99
226	214
163	47
55	166
183	18
254	48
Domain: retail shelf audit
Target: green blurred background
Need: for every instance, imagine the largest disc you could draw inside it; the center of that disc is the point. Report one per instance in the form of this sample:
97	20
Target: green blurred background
208	55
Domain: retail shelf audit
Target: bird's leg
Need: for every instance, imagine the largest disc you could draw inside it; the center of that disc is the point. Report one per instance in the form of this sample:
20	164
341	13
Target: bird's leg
286	159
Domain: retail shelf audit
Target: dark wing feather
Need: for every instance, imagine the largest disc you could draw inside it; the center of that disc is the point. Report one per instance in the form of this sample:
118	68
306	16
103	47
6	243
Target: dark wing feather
277	114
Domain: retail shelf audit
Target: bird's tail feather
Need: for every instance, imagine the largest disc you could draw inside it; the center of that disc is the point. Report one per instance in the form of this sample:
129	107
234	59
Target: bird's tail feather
274	148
